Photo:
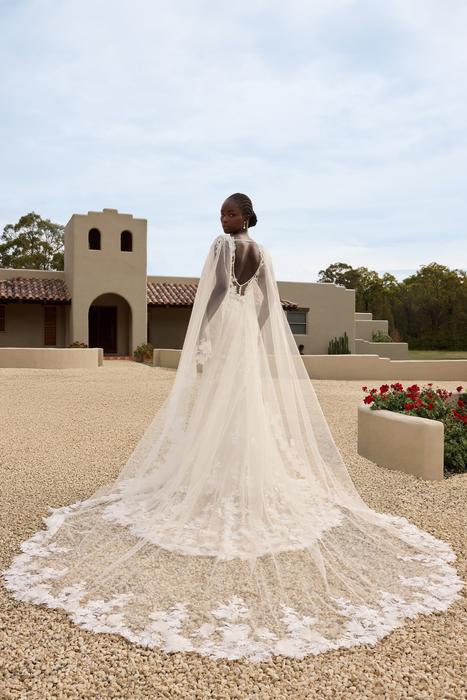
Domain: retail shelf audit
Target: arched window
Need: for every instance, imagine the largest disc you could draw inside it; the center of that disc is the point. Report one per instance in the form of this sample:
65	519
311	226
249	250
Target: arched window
126	241
94	239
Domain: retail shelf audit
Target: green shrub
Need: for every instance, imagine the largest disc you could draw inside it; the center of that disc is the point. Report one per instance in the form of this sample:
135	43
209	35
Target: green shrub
77	344
380	337
143	352
455	445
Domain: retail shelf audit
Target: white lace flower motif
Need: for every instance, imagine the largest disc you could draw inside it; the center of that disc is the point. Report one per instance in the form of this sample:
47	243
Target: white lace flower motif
234	610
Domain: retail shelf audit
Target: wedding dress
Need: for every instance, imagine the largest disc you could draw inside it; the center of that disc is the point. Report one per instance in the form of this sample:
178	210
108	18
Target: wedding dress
234	529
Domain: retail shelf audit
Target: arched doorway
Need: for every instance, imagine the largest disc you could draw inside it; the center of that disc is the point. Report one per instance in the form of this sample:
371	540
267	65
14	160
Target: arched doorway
109	324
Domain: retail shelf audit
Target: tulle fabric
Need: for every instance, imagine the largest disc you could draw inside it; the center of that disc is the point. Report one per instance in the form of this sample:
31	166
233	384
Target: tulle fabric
234	529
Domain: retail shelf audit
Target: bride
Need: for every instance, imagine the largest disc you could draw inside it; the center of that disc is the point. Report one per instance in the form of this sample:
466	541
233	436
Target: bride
234	529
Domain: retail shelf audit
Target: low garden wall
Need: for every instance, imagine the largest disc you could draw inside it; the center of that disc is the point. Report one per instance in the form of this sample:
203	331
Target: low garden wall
375	367
394	351
406	443
166	357
357	367
51	358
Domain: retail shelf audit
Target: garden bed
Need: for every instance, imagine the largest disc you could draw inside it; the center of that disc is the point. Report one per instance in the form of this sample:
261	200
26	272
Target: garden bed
422	431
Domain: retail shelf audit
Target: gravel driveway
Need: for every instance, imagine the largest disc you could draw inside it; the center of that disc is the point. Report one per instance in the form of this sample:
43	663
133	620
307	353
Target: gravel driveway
63	433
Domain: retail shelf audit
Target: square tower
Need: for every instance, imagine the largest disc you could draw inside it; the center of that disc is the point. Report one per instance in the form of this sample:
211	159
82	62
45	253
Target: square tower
105	271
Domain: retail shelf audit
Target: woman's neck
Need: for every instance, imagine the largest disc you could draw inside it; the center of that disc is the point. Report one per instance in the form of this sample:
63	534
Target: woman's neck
241	237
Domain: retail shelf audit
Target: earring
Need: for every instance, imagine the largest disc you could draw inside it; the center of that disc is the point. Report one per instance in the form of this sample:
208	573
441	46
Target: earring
245	226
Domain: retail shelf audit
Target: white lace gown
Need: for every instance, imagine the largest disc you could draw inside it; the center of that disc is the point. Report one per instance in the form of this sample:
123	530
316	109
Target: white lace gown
234	529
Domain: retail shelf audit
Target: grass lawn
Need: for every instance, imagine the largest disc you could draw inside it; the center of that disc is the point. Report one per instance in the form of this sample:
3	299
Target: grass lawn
437	355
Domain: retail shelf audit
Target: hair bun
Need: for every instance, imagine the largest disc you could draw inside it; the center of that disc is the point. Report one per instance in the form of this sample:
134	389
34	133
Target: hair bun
252	221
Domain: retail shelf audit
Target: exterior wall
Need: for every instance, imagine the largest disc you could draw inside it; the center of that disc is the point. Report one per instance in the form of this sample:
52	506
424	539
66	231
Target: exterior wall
331	313
166	358
91	273
7	273
374	367
365	328
24	323
395	351
167	326
331	310
358	367
51	358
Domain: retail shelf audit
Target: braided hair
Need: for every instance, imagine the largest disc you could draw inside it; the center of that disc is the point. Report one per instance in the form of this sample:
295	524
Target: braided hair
246	207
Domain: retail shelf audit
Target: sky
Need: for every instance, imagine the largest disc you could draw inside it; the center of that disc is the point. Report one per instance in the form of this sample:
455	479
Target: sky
345	121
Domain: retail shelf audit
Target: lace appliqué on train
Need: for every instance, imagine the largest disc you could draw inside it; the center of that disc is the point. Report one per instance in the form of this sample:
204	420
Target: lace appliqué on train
231	632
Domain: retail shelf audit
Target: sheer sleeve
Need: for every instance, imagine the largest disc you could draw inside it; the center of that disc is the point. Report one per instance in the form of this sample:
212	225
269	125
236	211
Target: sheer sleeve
221	257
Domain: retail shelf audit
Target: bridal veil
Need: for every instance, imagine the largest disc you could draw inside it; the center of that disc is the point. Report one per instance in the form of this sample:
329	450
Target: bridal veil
234	529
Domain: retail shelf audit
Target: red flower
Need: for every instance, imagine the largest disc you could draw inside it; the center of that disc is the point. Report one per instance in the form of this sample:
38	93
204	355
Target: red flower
397	386
430	407
408	406
384	388
364	388
459	416
369	399
430	384
414	389
460	403
459	389
373	391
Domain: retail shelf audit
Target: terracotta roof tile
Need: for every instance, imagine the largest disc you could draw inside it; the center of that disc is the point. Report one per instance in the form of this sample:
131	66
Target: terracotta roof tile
55	290
170	294
34	289
178	294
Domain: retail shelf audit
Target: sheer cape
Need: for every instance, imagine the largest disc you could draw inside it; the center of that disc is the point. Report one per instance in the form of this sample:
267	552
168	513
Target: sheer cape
234	529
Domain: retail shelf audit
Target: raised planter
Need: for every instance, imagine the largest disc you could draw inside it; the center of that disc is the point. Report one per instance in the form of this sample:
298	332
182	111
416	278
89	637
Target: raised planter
405	443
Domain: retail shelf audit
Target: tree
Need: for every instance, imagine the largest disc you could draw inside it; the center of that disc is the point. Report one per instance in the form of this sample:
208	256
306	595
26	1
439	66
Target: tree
432	308
428	309
32	243
340	273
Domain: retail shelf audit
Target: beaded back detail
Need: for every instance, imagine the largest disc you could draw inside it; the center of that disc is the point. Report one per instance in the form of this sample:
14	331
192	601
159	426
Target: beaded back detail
241	287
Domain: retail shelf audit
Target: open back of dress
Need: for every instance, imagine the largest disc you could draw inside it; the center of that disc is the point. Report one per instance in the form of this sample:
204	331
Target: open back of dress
234	529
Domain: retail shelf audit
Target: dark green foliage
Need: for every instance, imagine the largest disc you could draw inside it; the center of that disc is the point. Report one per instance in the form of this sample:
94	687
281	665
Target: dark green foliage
428	310
455	445
143	352
33	243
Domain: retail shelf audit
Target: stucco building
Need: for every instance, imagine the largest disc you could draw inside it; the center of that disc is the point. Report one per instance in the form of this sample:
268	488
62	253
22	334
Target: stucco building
105	298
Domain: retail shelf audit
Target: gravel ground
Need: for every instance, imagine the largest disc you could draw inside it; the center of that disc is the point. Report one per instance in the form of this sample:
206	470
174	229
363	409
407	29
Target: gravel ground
65	432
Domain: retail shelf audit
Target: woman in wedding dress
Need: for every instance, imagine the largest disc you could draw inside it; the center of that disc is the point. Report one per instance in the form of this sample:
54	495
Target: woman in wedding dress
234	529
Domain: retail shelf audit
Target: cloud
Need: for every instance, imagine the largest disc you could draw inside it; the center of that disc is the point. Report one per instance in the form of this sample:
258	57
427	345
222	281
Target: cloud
344	120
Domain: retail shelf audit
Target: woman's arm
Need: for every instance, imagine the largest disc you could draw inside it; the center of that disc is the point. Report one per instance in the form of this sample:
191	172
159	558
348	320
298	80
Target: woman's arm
218	293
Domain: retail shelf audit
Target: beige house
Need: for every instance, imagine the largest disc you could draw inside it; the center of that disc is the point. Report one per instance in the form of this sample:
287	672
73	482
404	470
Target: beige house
105	298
